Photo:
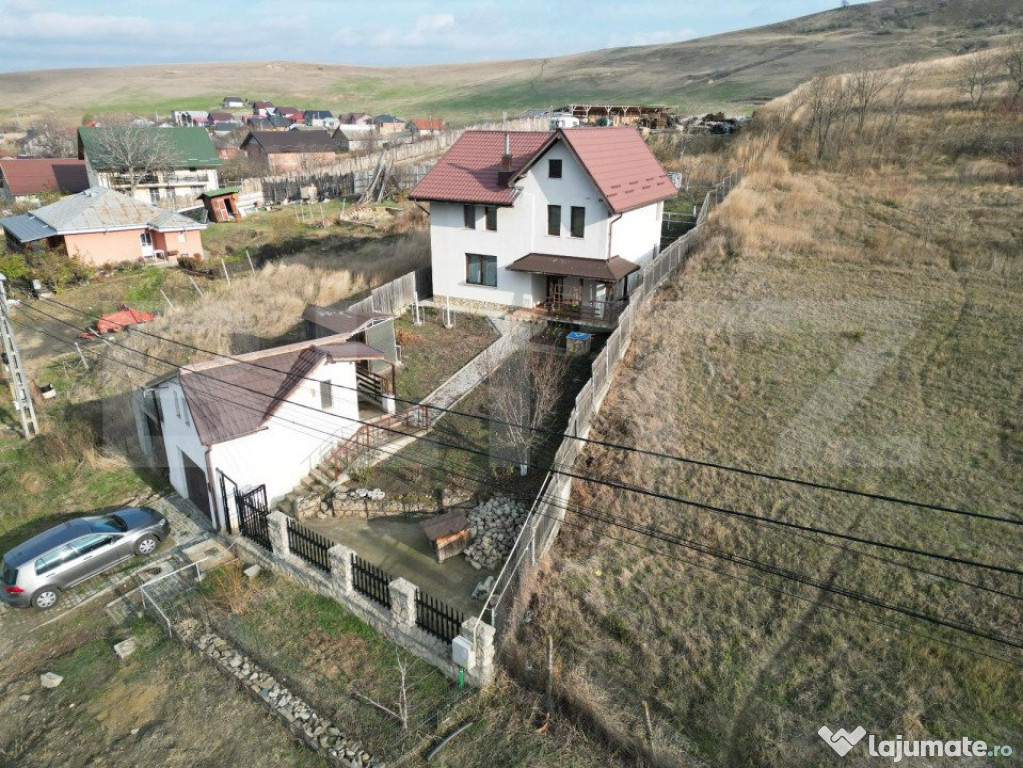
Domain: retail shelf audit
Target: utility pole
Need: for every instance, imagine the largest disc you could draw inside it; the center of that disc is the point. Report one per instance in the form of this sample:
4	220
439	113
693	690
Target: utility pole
15	370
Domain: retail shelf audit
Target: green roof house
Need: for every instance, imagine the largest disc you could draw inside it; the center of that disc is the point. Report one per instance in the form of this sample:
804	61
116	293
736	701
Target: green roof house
162	165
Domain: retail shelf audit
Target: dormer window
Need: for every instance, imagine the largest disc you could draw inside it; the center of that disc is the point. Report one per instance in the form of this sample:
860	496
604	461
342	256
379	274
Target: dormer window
553	169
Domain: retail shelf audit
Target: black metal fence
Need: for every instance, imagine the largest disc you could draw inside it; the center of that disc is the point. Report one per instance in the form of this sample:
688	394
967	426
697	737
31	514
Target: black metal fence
309	545
371	581
252	512
437	618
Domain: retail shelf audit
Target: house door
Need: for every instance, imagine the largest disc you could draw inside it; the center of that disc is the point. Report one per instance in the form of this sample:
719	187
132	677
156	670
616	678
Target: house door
146	239
195	482
555	289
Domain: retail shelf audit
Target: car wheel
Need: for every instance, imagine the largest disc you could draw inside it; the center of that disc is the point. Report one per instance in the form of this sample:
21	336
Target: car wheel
46	598
146	545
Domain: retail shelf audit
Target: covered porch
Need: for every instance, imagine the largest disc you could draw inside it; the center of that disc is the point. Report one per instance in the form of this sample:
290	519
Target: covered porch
587	291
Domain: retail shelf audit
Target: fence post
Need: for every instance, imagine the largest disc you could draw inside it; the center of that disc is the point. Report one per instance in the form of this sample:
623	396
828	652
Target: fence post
403	603
340	558
277	525
481	635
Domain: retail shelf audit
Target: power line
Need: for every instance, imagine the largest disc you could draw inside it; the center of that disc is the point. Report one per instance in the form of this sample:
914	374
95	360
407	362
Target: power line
626	487
769	569
630	449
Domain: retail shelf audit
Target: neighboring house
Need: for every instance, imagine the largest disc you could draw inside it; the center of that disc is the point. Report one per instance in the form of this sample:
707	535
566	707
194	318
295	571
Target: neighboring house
222	117
284	151
262	108
555	221
23	180
194	168
232	102
286	111
388	124
320	118
189	117
426	126
101	226
263	418
355	118
279	122
356	138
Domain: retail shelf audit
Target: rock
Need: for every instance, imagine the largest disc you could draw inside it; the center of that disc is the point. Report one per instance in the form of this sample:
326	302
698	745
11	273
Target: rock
134	731
235	662
50	679
253	571
24	697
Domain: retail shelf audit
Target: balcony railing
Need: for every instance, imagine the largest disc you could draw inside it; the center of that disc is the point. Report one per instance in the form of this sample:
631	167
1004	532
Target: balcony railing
575	309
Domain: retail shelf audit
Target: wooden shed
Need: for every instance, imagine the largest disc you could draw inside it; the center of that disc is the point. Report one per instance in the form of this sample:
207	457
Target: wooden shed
449	533
222	204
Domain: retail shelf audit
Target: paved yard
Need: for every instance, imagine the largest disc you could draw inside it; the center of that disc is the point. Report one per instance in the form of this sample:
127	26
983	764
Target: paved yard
399	546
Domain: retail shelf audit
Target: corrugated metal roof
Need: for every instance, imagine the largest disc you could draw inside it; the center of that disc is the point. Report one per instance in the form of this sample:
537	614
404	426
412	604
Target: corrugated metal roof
272	142
30	176
191	145
232	398
26	228
99	208
610	271
341	320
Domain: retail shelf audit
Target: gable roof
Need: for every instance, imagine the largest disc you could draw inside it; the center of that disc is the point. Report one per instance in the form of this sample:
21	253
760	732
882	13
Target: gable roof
236	397
97	209
30	176
285	111
192	146
617	160
426	124
320	114
342	321
386	118
274	142
468	171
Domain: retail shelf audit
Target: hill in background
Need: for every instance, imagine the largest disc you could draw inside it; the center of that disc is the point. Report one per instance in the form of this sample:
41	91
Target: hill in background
736	71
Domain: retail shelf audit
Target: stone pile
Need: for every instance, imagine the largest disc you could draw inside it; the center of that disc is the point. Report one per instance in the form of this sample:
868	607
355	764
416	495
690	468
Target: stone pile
493	526
318	732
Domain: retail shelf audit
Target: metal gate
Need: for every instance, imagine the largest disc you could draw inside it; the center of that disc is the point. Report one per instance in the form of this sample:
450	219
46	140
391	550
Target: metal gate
229	501
252	512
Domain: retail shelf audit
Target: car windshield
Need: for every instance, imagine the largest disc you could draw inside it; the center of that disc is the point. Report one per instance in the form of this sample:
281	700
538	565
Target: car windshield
109	524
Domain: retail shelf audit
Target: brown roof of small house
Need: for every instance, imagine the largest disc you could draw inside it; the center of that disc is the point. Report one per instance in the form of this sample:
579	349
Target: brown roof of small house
341	321
609	271
617	160
276	142
444	525
30	176
235	397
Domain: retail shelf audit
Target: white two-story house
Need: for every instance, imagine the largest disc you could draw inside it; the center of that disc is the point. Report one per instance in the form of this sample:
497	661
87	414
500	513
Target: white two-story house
556	221
259	419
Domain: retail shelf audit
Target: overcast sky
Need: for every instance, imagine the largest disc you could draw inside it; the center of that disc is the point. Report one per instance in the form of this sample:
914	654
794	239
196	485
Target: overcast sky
46	34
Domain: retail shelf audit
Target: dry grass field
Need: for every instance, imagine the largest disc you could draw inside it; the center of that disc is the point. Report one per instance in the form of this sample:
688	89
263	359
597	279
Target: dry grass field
851	322
737	70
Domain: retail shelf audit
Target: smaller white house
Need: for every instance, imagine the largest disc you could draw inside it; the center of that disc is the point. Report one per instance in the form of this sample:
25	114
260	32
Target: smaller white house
259	419
553	222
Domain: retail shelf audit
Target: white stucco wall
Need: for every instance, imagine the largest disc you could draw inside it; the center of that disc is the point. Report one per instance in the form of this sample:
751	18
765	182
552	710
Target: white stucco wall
179	435
522	229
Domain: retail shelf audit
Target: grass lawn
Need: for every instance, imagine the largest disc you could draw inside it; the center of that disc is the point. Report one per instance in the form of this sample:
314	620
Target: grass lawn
859	328
164	705
431	353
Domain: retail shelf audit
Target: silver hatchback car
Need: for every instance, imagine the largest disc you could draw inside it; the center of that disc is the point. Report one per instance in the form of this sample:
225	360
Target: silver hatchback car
36	572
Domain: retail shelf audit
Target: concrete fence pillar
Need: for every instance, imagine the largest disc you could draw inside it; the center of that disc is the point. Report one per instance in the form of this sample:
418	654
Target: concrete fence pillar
340	558
277	522
403	603
480	636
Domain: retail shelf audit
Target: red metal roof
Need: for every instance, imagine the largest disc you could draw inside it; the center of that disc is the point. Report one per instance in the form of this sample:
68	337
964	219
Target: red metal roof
30	176
622	167
468	172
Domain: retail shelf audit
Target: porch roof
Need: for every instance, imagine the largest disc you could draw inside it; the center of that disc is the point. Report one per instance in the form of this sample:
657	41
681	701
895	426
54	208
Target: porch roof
606	271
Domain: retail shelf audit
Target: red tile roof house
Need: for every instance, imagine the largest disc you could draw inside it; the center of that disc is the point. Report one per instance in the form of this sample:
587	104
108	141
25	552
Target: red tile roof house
101	226
555	221
23	180
263	418
422	126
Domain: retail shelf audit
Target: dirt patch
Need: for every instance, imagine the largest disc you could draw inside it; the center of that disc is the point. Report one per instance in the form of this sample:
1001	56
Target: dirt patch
126	707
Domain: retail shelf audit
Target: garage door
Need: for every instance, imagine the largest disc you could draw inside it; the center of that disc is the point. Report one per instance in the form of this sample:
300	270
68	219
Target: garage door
195	480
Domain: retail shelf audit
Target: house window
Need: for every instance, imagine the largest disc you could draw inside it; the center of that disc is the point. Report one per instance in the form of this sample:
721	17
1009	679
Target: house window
154	196
491	212
469	216
553	169
481	270
182	238
578	221
554	220
146	238
326	396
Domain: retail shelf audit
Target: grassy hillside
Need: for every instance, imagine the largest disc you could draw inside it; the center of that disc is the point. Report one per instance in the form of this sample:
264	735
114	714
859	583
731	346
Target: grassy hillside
849	322
737	70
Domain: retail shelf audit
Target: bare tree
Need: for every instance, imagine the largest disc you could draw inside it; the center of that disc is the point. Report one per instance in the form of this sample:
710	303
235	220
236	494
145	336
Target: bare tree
829	100
975	74
896	104
133	149
1013	61
523	398
53	138
866	84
